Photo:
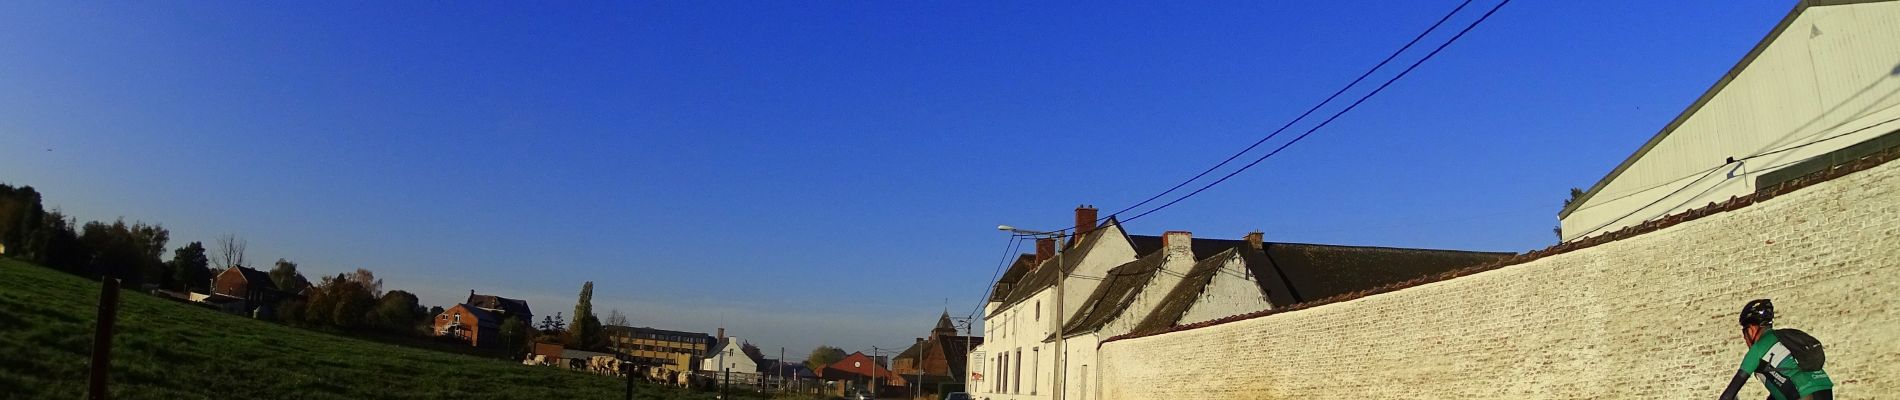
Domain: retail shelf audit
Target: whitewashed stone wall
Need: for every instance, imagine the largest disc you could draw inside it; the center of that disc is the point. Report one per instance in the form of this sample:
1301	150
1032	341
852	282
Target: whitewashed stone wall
1232	291
1651	316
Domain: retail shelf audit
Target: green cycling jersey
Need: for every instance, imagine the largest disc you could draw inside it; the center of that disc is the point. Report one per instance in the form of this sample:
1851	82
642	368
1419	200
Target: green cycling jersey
1774	365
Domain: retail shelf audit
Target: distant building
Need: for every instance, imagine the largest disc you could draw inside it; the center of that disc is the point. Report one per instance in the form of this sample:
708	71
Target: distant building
940	359
859	370
501	306
476	325
254	288
676	351
1815	92
729	354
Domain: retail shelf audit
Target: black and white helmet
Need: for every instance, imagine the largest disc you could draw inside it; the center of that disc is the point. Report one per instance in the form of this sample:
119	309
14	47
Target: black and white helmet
1759	312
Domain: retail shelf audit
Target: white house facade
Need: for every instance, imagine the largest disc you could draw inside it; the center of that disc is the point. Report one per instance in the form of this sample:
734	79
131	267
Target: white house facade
1823	81
729	354
1019	353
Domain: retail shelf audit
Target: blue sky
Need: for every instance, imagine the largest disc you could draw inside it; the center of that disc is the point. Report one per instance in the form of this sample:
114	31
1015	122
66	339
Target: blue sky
813	173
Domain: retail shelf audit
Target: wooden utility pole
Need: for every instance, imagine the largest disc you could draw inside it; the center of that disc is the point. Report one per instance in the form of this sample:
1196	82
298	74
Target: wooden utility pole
102	339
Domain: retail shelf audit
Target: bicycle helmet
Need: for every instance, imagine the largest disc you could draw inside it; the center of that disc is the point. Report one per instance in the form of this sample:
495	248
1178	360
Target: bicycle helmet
1759	312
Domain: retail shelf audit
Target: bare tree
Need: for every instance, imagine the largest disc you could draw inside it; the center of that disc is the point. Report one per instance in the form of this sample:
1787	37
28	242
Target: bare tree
614	317
368	280
230	251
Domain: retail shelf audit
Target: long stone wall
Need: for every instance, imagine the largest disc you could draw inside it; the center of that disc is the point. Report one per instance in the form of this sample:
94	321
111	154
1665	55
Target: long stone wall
1645	316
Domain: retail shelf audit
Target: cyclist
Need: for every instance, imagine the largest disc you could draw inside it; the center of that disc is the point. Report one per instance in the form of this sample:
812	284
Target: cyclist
1774	358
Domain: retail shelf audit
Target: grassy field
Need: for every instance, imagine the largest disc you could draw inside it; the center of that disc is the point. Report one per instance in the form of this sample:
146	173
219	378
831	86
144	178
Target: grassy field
170	350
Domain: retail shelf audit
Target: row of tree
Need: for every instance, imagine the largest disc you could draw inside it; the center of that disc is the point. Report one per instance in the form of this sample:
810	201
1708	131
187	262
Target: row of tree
351	302
132	252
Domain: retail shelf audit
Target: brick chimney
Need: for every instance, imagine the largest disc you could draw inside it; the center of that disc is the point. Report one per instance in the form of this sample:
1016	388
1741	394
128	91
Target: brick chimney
1084	220
1256	240
1045	249
1178	243
722	333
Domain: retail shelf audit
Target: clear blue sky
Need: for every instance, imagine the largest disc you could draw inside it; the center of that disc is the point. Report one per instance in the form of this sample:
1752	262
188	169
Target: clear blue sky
814	172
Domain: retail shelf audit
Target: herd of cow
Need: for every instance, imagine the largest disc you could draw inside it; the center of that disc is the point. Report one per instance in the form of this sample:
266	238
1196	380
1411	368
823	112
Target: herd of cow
610	366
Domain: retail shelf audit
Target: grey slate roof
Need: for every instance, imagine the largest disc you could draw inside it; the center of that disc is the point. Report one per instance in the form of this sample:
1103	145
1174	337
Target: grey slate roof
1203	248
518	307
1114	294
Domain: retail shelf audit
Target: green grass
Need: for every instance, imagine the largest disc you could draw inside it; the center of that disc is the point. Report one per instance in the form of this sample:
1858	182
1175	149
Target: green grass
170	350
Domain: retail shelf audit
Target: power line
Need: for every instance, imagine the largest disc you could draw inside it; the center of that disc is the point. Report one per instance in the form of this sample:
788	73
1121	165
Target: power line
1362	99
1309	111
1009	251
1428	56
1355	104
1634	192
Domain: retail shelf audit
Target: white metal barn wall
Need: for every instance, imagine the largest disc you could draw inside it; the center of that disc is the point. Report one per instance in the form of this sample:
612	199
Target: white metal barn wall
1827	78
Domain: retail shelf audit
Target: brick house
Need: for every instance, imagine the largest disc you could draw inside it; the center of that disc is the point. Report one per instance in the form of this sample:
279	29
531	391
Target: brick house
477	326
940	359
254	288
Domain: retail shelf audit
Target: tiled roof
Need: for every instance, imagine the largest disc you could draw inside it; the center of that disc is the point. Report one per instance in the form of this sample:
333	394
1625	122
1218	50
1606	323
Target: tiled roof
257	280
1203	248
483	318
1319	271
491	302
1113	295
1291	273
1014	274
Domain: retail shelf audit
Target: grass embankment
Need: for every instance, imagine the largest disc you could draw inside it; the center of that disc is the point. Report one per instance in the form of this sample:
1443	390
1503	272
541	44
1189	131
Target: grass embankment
170	350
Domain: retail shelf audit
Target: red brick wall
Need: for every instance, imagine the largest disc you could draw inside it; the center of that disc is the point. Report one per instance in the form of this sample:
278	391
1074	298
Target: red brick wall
470	326
230	283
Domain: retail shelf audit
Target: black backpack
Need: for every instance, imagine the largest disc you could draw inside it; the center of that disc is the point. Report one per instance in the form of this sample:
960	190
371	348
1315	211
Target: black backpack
1806	350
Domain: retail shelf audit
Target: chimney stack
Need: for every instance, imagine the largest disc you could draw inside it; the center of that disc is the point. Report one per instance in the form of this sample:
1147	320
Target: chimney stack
1178	243
1084	220
1045	250
722	333
1256	240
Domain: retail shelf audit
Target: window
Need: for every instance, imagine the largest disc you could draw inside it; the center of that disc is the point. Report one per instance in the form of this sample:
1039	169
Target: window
1035	362
1016	386
1038	310
1002	373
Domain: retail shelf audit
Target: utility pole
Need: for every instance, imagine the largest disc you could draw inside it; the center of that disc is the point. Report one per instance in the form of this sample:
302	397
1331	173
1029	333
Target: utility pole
1062	363
873	372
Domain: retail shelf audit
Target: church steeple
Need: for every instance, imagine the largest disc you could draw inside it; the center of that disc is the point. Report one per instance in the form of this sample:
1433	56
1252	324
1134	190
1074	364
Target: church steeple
944	327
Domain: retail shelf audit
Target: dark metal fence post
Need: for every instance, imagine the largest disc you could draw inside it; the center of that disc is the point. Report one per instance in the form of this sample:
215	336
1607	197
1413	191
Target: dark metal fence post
102	338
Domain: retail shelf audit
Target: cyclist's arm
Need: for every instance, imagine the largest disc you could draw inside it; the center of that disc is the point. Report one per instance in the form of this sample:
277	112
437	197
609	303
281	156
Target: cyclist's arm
1735	385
